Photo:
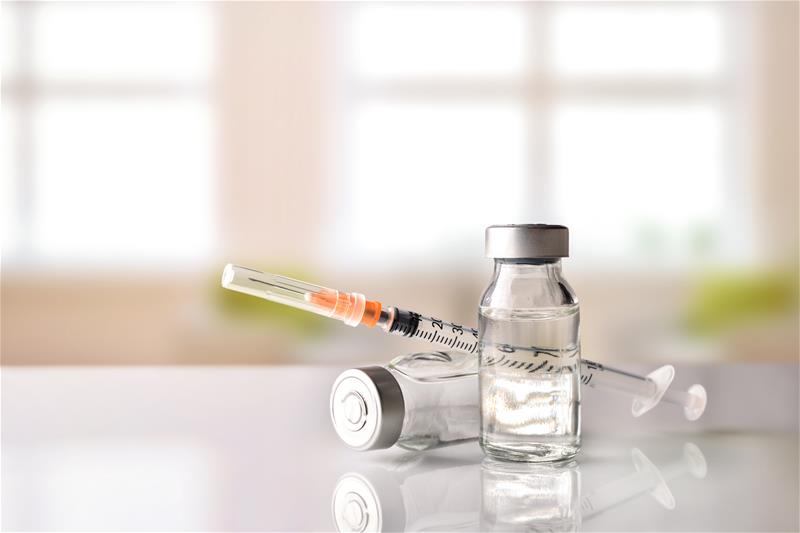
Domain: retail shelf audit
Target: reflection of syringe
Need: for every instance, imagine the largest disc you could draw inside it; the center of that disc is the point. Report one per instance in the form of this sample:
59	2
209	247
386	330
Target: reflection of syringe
354	309
540	497
647	478
434	493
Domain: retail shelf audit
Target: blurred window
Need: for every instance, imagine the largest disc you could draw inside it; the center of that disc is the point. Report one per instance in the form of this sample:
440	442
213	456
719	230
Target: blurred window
107	133
605	117
636	40
392	41
492	132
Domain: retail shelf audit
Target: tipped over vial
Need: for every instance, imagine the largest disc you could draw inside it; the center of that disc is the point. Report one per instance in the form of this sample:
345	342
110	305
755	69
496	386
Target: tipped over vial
417	402
529	347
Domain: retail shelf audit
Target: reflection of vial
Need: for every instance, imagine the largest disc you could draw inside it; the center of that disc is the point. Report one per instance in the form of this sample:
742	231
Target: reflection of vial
530	350
530	497
417	401
440	495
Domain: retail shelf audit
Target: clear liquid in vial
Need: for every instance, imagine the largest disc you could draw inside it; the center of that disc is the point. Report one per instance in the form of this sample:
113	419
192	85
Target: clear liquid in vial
530	397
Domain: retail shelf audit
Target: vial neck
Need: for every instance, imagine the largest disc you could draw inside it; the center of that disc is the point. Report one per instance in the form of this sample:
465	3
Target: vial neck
528	268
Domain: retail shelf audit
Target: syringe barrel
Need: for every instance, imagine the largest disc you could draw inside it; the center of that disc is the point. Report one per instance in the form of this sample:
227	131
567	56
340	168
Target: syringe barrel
604	377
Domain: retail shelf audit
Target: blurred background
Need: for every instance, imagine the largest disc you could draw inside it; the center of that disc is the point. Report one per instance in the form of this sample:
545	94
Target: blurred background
366	146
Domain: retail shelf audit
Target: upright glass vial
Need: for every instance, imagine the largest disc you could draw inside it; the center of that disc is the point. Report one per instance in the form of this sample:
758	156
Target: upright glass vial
530	348
418	402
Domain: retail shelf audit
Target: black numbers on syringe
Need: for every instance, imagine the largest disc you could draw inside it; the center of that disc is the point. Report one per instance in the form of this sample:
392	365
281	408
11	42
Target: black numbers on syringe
531	359
457	337
587	372
453	336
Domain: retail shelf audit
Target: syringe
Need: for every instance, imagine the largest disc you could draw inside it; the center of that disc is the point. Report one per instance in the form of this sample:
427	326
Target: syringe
354	309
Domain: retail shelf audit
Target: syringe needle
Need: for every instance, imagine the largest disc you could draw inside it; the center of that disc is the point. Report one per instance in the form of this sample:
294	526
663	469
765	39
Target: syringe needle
284	287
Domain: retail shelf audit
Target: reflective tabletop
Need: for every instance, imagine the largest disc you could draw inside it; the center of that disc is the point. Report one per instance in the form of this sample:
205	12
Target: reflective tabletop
252	448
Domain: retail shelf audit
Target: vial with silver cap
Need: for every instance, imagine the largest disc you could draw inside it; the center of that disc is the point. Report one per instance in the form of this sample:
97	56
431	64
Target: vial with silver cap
529	347
418	401
410	492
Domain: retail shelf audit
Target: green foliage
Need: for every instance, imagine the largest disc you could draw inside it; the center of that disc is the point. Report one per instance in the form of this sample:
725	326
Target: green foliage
724	301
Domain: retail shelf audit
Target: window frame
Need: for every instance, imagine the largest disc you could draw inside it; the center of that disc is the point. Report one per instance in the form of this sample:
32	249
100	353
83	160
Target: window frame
25	92
539	90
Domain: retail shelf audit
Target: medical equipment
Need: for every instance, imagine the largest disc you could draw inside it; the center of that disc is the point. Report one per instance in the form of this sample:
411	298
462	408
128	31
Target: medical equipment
544	497
648	478
354	309
418	402
428	492
409	492
529	416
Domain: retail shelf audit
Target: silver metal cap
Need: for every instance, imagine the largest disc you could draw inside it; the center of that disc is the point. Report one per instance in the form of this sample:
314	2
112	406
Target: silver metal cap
367	408
527	241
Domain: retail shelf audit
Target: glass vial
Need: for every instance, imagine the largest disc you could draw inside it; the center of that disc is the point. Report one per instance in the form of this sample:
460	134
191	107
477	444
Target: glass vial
530	497
418	402
418	492
530	349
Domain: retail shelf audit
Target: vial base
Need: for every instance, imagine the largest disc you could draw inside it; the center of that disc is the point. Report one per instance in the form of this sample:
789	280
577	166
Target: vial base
527	451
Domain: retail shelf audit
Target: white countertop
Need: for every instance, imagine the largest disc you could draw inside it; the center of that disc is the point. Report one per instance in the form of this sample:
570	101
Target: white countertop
252	448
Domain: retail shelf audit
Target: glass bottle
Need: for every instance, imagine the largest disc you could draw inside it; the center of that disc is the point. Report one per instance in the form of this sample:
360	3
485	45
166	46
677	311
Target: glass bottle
530	351
418	401
411	492
530	497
